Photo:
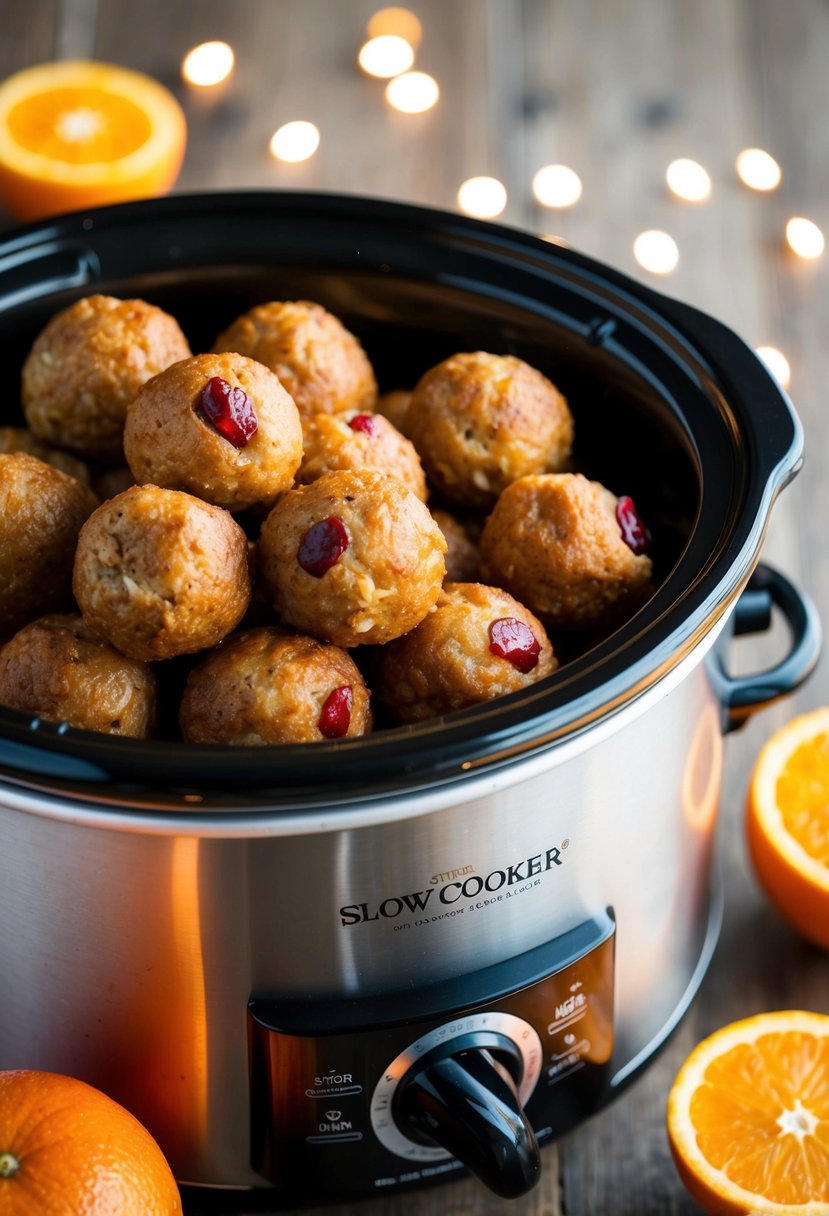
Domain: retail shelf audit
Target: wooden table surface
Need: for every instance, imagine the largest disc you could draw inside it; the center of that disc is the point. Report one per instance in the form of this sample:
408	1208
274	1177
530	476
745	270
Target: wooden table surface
616	89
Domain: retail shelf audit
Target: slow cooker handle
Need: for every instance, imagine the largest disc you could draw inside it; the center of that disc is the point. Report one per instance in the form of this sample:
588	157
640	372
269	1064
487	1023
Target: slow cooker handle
741	696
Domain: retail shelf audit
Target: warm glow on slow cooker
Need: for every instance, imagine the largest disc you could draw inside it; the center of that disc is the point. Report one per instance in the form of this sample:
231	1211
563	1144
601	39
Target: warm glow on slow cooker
557	186
656	251
397	21
804	238
413	92
208	64
295	141
484	197
688	180
386	56
758	169
554	239
777	363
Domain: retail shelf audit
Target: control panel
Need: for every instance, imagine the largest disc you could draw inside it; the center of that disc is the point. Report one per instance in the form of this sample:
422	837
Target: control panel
371	1094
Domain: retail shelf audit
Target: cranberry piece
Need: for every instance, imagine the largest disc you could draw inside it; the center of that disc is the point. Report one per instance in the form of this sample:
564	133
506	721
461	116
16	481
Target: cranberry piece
366	423
229	411
322	546
514	641
634	533
335	716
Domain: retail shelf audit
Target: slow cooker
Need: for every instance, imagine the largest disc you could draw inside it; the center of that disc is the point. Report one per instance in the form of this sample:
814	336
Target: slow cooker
350	968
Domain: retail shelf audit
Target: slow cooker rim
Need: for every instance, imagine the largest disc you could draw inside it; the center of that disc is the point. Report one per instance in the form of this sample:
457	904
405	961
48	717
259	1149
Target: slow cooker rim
647	646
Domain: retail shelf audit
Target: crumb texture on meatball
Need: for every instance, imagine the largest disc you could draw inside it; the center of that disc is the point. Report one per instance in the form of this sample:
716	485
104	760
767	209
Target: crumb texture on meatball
86	366
160	573
554	541
480	421
320	363
267	685
353	558
354	440
169	441
41	513
58	668
479	643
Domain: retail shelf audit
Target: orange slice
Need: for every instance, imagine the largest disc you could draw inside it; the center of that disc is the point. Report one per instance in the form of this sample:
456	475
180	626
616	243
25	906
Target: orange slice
787	823
78	134
748	1117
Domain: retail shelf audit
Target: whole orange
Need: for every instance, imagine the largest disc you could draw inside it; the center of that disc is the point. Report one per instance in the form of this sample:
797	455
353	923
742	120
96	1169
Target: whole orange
66	1149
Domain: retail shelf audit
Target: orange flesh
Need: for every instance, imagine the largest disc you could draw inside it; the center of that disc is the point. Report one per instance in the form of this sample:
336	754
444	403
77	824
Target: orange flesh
82	126
802	794
736	1110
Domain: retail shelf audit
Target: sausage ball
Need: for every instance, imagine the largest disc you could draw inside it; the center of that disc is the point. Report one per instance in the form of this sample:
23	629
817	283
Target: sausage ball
569	549
320	363
352	440
479	643
58	668
463	559
270	686
87	365
480	421
353	558
395	406
159	573
19	439
221	427
41	513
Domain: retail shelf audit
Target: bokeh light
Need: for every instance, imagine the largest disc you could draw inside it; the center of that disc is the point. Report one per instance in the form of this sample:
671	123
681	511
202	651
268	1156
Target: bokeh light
397	21
688	180
557	186
484	197
656	251
295	141
804	238
208	64
777	363
412	92
758	169
386	56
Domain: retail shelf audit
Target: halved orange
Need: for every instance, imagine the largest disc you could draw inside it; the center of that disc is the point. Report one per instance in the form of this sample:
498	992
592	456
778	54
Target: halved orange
79	134
787	823
748	1117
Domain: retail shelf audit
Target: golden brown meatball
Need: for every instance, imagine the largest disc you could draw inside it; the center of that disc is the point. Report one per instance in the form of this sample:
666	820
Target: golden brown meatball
479	643
41	513
270	686
159	573
480	421
462	557
556	542
353	558
87	365
319	362
113	480
18	439
221	427
395	406
353	440
57	668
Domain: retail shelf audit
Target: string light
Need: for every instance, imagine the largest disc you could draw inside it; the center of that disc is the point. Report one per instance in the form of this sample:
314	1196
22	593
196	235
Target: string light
412	92
295	141
557	186
656	251
758	170
397	21
484	197
777	363
386	56
208	64
688	180
804	238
